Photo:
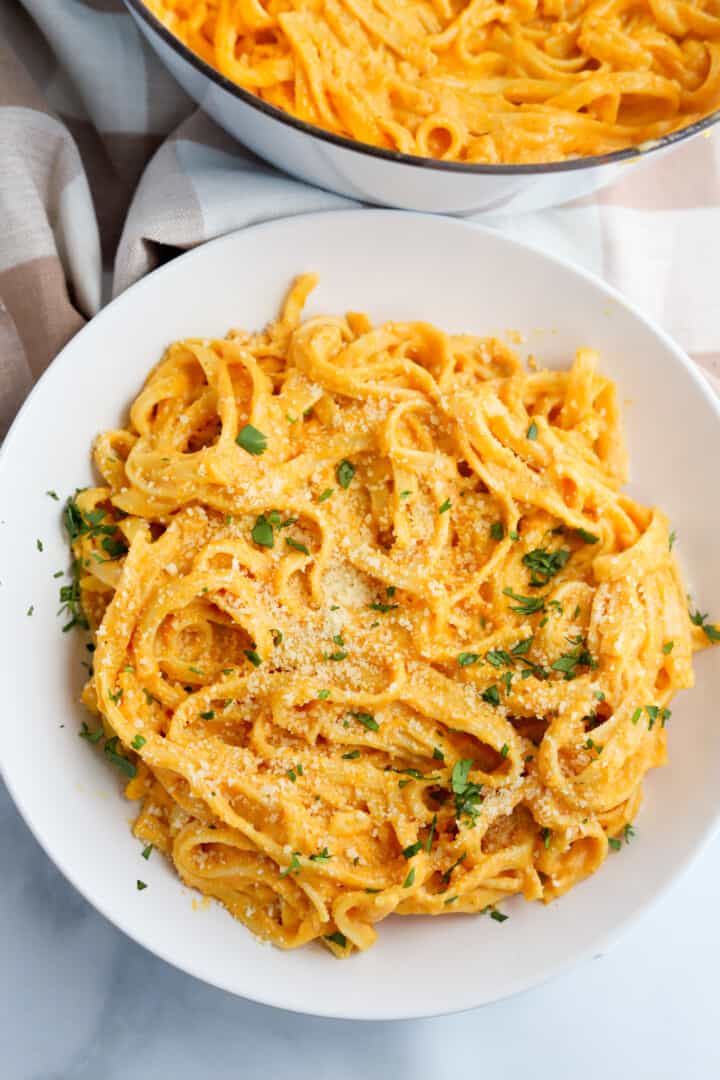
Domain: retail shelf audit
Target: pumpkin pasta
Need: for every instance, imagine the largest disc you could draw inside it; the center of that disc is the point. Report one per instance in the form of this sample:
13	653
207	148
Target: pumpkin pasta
376	629
483	81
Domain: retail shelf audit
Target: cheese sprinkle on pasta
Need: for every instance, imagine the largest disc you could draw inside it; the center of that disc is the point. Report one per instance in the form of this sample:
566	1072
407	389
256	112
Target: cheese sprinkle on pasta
487	81
376	630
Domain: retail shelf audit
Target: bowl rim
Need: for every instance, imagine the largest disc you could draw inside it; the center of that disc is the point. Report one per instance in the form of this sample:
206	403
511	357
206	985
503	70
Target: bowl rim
118	916
627	155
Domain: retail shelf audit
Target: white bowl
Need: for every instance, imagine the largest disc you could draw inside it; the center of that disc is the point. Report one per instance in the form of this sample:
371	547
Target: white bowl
406	266
385	177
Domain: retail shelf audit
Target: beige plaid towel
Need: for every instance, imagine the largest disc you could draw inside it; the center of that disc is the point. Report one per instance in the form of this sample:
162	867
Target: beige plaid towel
105	163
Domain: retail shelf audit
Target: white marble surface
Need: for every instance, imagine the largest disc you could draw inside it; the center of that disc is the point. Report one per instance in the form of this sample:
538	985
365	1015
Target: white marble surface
79	1001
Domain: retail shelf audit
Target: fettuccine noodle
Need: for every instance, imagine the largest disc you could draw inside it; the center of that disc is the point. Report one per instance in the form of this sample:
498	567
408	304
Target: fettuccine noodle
376	630
493	81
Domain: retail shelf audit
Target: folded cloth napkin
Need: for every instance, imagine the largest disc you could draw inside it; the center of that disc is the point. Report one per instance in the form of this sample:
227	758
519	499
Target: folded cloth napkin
105	163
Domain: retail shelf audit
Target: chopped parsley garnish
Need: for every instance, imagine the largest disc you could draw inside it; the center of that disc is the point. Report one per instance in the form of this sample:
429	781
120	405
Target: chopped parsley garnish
39	545
252	440
444	507
544	565
323	695
448	873
277	637
570	661
525	605
114	548
293	866
351	755
636	715
296	545
587	537
614	843
498	658
546	836
532	431
253	657
291	775
409	879
465	659
344	473
196	671
340	654
467	794
147	851
391	590
58	573
262	532
599	695
30	609
367	720
438	754
115	697
665	715
712	633
498	916
138	742
383	608
491	695
337	938
412	849
522	648
497	530
431	834
209	715
53	495
141	885
653	712
668	647
671	540
321	856
122	763
91	736
405	494
505	750
450	900
327	493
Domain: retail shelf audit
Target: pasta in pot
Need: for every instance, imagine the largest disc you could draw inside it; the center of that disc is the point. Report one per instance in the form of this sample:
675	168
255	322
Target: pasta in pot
376	629
485	81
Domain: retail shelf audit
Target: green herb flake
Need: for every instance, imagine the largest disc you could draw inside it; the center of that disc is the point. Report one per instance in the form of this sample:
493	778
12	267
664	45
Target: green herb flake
525	605
431	834
587	537
444	507
30	609
544	565
668	647
505	750
636	715
412	849
409	879
497	530
321	856
253	657
39	545
614	843
465	659
138	742
147	851
532	431
344	473
491	695
367	720
438	754
671	540
323	695
382	607
119	760
351	755
53	495
141	885
546	837
337	939
262	532
252	440
296	545
209	715
498	916
91	736
293	866
405	495
327	493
